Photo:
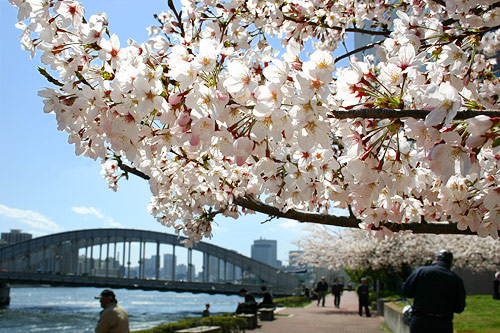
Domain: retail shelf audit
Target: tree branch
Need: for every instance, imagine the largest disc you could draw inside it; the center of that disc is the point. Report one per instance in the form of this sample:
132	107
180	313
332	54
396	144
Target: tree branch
256	205
392	113
361	49
346	221
127	168
385	33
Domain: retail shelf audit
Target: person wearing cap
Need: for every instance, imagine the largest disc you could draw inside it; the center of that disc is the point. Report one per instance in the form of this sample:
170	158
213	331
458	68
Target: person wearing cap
113	318
438	293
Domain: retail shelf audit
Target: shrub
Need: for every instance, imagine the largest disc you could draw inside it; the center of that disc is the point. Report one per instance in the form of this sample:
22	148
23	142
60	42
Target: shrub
226	322
292	302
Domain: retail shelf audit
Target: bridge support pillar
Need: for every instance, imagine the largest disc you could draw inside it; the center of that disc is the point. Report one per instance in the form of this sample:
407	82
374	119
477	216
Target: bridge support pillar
4	295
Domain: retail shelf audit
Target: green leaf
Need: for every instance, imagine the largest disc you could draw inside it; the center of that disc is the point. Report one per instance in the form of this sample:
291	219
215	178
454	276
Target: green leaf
82	79
496	143
49	77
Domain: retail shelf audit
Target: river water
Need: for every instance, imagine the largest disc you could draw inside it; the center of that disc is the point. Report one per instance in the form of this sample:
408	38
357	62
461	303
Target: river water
58	309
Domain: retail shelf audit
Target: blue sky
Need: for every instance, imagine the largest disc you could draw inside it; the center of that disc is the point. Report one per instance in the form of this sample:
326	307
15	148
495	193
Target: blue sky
45	188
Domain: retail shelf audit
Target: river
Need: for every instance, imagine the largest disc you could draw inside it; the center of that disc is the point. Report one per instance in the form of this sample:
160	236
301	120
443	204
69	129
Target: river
60	309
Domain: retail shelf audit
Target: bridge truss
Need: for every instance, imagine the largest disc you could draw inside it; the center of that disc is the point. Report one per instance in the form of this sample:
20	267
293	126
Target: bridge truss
102	257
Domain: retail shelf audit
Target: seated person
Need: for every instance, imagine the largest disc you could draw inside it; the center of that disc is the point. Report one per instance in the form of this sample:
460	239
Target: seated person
249	306
267	301
206	312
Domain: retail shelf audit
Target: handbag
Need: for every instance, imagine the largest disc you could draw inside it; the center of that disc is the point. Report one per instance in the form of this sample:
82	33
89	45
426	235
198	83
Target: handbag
407	312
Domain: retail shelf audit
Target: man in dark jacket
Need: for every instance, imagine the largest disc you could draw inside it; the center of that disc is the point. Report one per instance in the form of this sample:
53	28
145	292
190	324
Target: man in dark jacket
337	290
322	290
437	293
249	306
267	300
364	297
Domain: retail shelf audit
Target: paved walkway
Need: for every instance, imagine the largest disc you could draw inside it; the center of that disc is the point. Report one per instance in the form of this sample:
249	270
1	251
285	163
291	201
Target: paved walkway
323	319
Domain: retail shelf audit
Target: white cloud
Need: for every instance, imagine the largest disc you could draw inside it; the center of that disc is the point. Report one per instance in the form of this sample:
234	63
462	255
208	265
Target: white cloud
88	211
81	210
31	218
293	226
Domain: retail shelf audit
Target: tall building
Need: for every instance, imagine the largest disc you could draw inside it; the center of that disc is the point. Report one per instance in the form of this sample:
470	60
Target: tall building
266	251
15	236
169	262
150	266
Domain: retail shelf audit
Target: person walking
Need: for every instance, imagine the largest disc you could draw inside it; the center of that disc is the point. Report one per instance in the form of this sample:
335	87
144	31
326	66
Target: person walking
337	290
364	297
437	293
113	318
496	286
322	290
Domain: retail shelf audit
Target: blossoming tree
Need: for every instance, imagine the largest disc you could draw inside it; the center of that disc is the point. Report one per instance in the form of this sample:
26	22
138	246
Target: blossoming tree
391	260
221	120
324	247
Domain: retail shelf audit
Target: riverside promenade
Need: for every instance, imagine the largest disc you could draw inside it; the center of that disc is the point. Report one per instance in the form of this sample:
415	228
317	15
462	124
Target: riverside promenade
320	319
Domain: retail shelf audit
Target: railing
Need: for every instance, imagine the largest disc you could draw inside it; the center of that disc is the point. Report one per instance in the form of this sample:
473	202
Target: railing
144	284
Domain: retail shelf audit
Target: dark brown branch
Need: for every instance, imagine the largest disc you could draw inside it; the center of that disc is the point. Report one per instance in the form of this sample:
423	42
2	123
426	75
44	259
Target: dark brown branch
385	33
127	168
178	16
251	203
361	49
441	2
346	221
418	114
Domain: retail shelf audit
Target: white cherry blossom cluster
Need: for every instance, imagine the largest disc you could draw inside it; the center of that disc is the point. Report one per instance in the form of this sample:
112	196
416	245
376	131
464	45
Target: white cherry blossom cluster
354	248
210	109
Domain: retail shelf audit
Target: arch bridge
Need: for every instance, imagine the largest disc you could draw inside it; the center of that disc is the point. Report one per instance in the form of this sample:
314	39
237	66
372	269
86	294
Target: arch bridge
103	257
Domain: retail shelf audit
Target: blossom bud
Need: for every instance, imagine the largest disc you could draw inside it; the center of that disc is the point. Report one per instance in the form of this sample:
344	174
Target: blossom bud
221	96
479	125
183	119
174	99
195	140
243	146
475	141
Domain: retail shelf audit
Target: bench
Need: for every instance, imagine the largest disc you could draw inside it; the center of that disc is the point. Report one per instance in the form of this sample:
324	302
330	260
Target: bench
251	320
266	314
200	329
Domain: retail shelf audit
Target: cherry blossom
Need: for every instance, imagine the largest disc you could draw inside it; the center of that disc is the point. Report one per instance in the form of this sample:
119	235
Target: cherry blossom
327	247
235	107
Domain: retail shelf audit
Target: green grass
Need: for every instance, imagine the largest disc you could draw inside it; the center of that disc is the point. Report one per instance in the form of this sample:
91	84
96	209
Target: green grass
481	315
385	328
292	302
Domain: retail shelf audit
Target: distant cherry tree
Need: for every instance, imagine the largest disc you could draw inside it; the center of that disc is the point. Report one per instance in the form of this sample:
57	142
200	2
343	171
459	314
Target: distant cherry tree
355	249
220	119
